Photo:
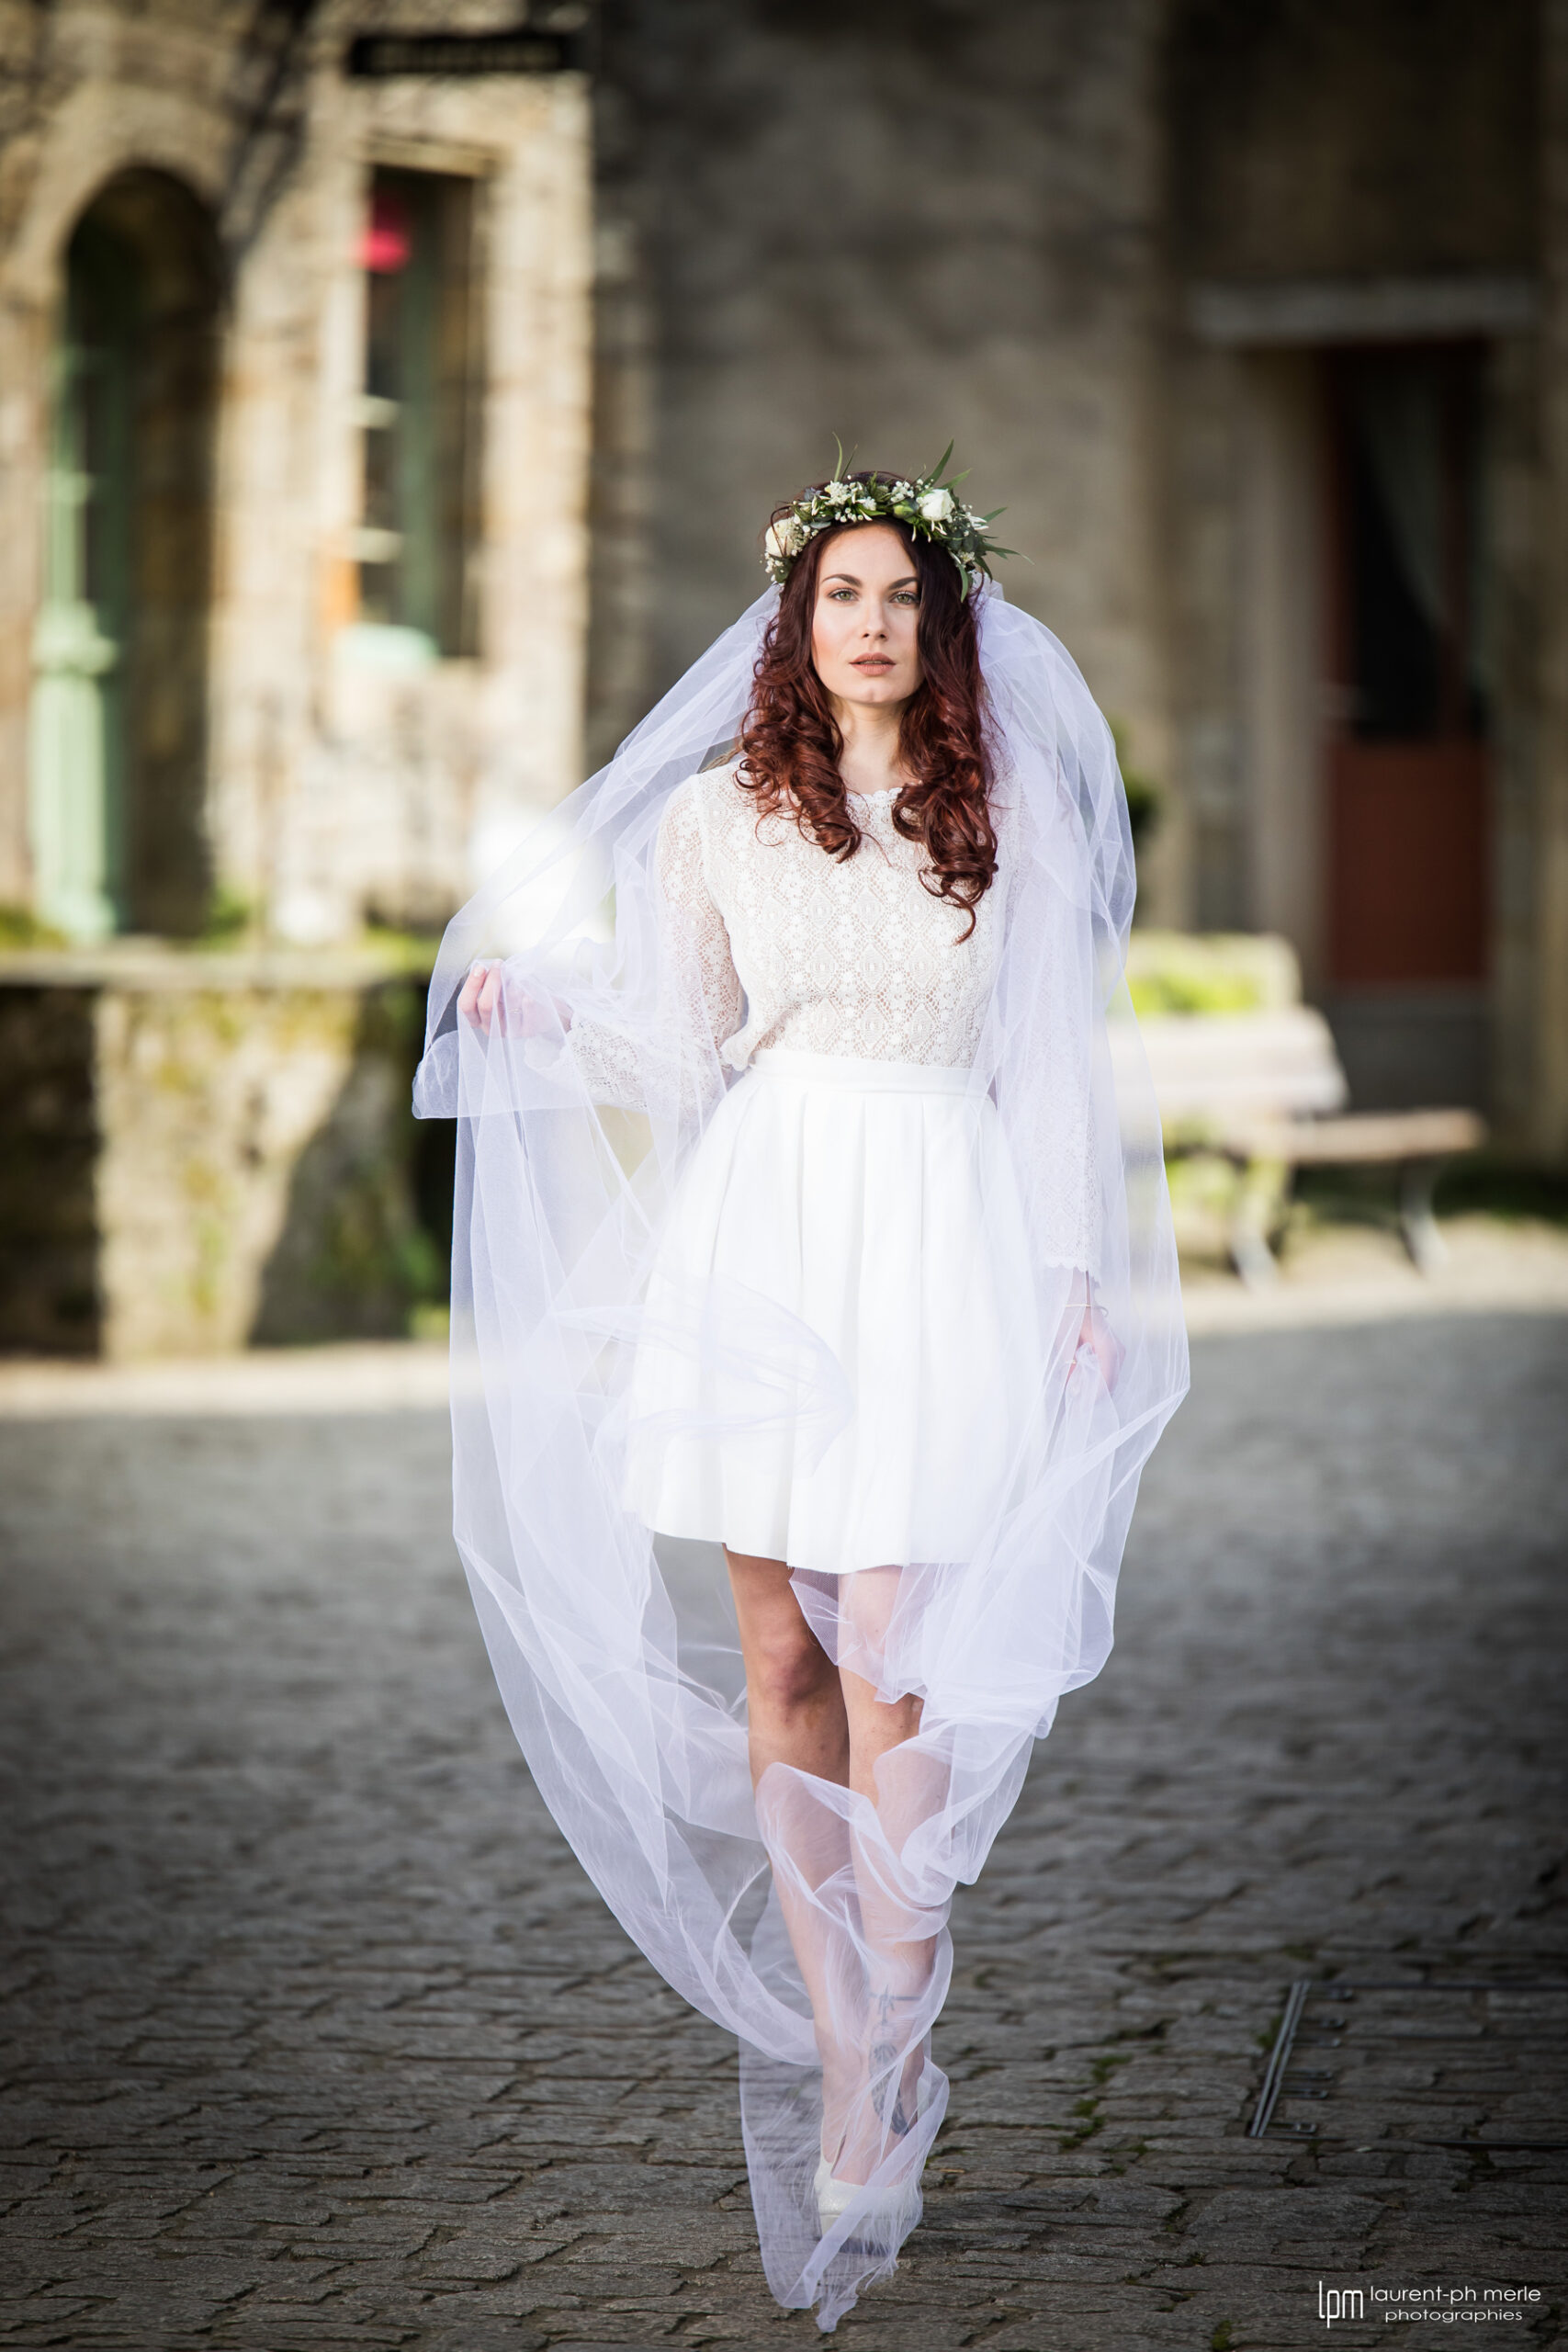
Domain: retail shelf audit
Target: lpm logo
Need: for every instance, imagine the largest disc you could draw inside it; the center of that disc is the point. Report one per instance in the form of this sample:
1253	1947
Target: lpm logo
1339	2302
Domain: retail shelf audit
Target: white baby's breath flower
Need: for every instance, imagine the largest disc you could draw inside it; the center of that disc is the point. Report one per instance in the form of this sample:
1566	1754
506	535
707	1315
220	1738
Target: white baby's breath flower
936	505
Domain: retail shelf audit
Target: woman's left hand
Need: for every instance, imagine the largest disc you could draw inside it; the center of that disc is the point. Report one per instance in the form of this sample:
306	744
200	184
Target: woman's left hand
1096	1334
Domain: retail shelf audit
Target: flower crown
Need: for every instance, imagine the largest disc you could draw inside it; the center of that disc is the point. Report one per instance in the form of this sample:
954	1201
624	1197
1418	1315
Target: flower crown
927	506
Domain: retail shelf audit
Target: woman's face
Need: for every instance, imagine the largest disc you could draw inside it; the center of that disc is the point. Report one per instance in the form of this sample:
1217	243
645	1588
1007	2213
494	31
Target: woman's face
866	626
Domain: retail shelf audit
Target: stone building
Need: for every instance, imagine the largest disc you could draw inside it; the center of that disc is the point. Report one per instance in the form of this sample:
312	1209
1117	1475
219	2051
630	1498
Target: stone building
393	393
294	336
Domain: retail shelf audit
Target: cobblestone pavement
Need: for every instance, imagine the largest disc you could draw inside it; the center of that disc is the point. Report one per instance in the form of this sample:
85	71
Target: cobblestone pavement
315	2035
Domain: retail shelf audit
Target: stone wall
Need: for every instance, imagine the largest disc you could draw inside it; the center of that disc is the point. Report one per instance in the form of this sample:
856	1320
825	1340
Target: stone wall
50	1297
902	226
1335	138
347	779
199	1151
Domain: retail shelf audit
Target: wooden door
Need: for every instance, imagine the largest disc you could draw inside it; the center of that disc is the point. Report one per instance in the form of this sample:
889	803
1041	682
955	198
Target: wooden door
1408	865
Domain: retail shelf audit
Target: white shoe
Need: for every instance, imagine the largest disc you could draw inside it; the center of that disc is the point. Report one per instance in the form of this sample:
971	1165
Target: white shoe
888	2209
886	2212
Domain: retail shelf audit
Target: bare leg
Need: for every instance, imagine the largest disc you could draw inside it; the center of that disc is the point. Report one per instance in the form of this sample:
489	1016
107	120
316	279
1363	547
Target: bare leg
794	1706
899	1964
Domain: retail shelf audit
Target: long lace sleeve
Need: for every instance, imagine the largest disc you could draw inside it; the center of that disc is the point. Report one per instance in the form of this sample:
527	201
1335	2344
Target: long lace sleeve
1068	1173
702	1002
712	1001
1054	1136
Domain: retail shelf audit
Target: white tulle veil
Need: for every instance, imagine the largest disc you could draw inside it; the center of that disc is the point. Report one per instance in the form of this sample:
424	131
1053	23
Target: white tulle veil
615	1651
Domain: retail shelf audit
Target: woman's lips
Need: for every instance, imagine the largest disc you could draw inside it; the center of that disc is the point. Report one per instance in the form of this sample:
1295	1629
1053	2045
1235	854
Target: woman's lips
871	661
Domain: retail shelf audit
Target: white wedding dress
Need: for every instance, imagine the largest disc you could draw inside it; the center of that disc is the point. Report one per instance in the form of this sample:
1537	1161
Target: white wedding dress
855	1180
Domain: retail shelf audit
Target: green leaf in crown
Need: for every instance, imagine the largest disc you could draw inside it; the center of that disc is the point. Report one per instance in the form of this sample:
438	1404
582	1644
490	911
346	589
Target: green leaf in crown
929	506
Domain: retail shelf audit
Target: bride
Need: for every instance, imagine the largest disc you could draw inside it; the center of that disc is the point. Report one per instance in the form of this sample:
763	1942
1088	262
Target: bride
800	1229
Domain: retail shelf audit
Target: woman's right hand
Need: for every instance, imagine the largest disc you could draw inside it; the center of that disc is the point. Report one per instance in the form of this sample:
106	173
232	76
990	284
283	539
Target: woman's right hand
480	996
480	1001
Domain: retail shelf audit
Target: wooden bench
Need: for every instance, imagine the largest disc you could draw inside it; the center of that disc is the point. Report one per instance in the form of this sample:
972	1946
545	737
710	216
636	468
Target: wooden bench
1266	1091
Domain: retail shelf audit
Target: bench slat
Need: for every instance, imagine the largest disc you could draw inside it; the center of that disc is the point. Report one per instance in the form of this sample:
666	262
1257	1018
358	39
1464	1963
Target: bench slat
1362	1136
1223	1067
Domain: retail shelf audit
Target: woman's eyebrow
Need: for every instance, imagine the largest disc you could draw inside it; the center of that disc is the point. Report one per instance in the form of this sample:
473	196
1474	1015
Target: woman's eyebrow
852	580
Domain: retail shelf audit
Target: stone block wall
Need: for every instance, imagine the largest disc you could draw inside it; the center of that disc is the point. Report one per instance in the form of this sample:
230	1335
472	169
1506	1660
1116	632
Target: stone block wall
901	225
201	1151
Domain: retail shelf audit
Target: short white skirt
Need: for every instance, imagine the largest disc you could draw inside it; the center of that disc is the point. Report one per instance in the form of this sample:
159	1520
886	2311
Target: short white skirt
839	1363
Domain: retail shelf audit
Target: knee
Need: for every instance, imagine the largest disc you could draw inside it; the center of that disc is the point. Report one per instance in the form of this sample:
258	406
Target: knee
788	1674
875	1729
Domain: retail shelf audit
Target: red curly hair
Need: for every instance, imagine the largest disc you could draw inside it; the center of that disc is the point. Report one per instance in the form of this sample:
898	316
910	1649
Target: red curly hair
791	742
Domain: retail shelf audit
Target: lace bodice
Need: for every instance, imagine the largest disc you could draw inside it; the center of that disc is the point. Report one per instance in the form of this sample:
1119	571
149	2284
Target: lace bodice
779	944
827	956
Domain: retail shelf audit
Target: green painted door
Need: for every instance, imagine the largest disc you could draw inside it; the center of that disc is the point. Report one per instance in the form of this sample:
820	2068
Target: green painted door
77	752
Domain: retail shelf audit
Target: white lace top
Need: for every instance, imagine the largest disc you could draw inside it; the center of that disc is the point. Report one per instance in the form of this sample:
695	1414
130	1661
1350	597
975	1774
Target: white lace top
785	945
828	957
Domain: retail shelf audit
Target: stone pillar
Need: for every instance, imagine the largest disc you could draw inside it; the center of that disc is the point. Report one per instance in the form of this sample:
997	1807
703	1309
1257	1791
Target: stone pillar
1282	666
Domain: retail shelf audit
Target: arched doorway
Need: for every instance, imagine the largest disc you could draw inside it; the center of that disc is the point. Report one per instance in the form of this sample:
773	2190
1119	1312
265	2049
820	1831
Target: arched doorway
118	738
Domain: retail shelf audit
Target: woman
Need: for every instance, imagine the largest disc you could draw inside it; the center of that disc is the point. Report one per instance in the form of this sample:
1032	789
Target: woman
859	1299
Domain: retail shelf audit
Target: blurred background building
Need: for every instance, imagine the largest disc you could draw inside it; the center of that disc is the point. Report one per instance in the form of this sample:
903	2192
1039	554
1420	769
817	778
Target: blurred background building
394	394
296	356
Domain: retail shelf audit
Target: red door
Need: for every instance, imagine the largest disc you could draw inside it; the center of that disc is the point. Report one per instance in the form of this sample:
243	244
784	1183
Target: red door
1408	831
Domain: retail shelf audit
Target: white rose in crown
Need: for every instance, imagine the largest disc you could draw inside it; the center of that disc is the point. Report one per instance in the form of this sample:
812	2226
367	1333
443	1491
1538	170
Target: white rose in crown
785	539
936	506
